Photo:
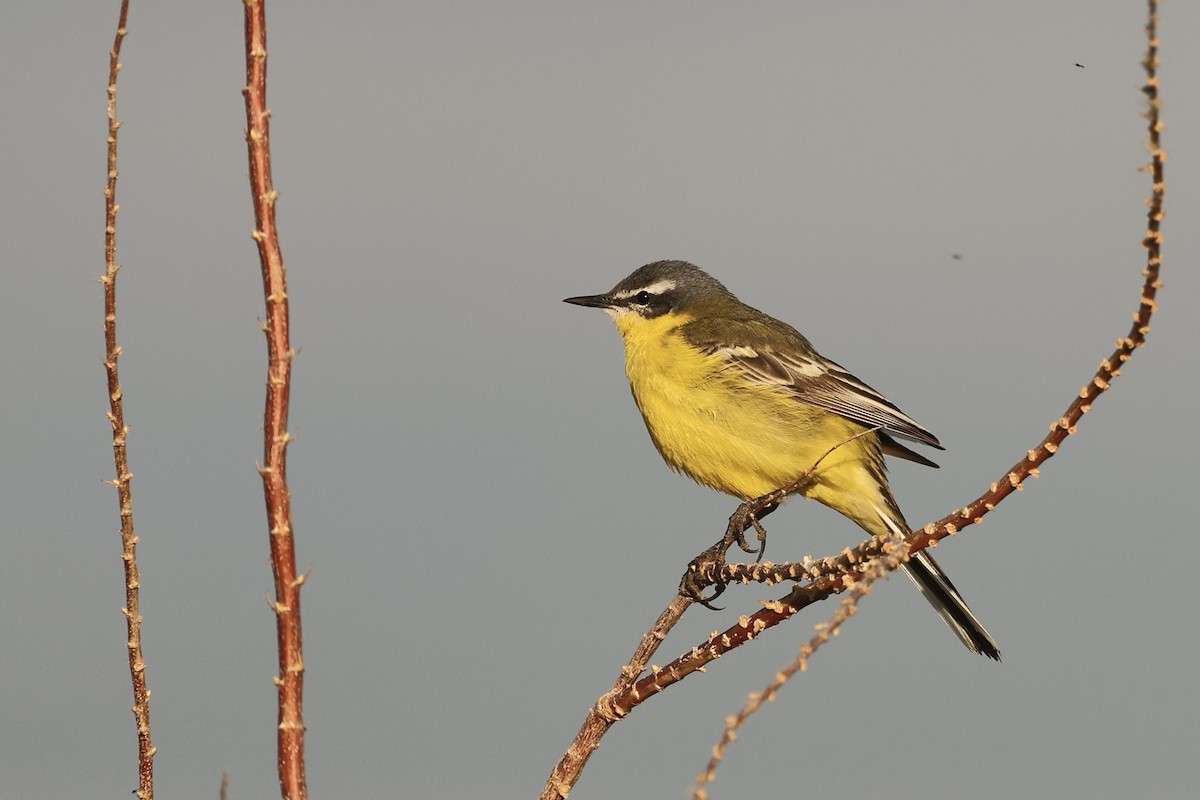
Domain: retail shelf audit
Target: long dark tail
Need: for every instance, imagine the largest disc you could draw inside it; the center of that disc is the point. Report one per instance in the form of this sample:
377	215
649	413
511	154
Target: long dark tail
949	604
937	588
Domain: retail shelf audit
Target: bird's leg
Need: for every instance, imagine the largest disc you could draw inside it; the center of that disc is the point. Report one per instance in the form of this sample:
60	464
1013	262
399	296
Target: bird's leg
747	515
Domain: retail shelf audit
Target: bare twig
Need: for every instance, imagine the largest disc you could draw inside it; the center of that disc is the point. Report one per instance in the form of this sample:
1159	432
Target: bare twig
120	433
292	780
606	711
602	715
894	553
828	577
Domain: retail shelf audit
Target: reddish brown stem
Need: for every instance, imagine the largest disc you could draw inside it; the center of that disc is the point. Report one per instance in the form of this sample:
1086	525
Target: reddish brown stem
827	577
120	432
602	715
290	682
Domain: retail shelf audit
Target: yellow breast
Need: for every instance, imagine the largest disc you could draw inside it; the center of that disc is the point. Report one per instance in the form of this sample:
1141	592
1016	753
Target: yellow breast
737	437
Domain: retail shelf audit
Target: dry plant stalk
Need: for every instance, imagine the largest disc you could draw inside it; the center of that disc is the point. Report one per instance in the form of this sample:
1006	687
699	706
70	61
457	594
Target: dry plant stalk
828	576
894	553
120	433
290	681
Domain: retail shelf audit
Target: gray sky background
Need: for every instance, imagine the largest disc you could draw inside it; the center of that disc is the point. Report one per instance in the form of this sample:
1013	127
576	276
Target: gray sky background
488	526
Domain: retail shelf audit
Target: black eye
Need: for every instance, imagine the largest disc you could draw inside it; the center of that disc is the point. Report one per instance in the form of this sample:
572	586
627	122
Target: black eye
642	298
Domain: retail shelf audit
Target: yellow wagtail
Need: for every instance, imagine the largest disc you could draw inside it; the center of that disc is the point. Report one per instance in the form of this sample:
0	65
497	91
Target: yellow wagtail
744	404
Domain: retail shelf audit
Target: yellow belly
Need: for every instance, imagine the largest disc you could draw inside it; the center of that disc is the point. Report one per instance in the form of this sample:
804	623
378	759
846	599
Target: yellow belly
746	440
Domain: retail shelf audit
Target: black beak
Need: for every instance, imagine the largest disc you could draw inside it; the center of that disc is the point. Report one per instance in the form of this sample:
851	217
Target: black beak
592	301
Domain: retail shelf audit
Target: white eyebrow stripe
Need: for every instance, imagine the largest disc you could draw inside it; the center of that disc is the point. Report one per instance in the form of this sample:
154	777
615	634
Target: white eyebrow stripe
658	287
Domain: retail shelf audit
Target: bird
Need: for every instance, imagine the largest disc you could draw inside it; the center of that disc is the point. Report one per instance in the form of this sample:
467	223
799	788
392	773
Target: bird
744	404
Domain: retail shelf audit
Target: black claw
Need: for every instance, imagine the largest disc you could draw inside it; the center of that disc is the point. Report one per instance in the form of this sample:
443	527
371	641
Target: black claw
718	590
762	540
692	589
740	538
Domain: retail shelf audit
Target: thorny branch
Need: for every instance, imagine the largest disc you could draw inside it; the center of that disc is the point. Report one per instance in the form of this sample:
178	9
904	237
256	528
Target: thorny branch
893	554
290	681
120	433
829	576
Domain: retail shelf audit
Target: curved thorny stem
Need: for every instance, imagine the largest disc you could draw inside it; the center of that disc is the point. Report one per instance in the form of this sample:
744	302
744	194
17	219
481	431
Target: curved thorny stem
831	575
